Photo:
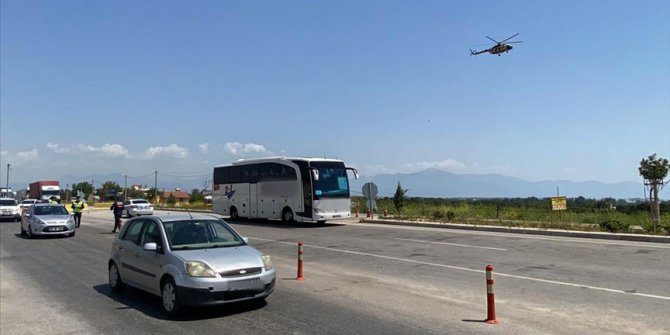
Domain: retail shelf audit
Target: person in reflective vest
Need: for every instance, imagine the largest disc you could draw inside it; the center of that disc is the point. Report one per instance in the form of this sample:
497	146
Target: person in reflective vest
77	207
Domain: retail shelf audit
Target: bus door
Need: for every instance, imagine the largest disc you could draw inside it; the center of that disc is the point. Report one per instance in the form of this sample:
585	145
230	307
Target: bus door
253	200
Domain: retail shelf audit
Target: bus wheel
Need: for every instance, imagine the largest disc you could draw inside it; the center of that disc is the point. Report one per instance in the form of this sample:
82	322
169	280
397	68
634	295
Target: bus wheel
287	215
233	213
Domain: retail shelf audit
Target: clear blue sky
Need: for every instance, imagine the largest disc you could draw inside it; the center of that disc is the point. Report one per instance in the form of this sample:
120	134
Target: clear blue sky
179	86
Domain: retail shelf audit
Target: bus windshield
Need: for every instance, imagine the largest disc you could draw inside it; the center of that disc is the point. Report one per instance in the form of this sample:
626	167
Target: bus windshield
333	181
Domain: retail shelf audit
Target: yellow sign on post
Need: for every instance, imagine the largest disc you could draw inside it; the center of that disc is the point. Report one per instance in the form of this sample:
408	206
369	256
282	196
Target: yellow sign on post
559	203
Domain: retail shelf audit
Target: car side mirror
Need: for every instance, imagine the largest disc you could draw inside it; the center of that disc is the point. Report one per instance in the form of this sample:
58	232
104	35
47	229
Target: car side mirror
245	239
151	246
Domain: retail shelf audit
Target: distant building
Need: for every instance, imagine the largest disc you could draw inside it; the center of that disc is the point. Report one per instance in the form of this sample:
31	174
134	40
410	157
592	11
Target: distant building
181	197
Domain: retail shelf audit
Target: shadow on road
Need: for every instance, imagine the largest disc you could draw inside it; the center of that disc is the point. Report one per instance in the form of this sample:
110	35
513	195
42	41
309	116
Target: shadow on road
39	237
282	224
150	305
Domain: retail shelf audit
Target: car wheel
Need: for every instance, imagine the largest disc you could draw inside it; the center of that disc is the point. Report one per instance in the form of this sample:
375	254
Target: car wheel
233	213
115	281
23	232
169	297
287	215
30	232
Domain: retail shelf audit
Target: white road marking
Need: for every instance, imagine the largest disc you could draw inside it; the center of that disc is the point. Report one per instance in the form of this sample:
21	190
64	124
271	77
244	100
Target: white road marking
454	244
472	270
640	244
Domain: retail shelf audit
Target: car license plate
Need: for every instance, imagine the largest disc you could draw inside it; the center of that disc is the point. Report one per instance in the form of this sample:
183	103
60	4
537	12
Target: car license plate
337	216
249	284
55	229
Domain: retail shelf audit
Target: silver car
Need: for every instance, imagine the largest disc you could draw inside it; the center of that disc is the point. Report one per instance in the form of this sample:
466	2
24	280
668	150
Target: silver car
47	219
137	207
189	260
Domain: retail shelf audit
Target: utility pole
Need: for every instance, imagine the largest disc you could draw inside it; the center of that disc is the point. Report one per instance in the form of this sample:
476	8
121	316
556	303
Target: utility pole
155	184
125	187
92	193
7	180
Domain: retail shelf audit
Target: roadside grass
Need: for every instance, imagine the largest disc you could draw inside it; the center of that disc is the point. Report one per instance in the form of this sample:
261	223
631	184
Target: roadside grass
466	212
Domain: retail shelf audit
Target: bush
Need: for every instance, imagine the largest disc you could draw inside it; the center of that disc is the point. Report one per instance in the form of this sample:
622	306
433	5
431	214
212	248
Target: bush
450	216
615	226
438	215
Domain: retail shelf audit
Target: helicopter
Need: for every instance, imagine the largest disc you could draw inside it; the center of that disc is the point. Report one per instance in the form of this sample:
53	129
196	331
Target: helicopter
500	47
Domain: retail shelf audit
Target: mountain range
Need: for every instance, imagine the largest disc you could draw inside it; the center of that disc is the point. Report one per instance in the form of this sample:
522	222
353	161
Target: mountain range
427	183
442	184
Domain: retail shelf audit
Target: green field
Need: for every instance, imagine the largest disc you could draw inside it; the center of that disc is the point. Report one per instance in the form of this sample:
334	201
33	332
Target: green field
582	214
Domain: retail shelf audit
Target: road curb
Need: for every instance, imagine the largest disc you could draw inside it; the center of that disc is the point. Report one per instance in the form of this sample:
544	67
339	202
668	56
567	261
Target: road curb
529	231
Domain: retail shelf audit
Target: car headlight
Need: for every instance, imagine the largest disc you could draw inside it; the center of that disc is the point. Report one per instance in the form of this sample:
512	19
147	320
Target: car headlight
267	263
199	269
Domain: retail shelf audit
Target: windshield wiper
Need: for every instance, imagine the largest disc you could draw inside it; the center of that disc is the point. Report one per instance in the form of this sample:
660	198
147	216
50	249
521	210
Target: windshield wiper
185	247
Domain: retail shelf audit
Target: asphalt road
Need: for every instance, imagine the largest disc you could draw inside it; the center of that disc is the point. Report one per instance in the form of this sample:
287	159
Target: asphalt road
359	279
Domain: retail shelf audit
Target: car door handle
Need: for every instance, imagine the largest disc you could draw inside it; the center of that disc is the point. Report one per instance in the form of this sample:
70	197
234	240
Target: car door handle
120	247
137	254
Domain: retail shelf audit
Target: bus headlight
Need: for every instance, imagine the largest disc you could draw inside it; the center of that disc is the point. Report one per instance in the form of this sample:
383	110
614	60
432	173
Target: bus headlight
199	269
267	263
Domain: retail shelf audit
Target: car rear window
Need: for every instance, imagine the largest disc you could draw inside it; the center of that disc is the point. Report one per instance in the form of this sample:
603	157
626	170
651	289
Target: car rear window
8	202
140	202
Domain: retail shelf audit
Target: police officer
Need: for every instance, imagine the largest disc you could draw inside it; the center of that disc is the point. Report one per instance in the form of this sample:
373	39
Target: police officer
77	207
117	207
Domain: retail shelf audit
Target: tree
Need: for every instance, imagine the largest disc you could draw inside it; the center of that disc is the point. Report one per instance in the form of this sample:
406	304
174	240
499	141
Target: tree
196	196
399	198
152	195
171	200
85	187
653	170
109	190
135	193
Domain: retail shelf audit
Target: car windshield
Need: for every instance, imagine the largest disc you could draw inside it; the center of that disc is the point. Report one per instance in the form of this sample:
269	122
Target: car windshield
28	202
200	234
50	210
5	202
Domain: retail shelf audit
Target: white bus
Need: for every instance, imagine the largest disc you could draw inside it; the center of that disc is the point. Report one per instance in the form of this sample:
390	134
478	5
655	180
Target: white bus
290	189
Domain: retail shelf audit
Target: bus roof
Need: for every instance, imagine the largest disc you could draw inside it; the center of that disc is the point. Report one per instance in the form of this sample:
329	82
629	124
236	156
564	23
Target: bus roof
279	158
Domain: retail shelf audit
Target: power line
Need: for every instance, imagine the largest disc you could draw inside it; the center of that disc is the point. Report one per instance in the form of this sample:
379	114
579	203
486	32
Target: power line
185	176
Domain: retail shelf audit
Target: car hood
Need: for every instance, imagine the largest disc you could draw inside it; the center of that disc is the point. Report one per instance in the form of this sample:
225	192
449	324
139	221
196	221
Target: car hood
221	259
53	218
